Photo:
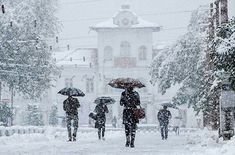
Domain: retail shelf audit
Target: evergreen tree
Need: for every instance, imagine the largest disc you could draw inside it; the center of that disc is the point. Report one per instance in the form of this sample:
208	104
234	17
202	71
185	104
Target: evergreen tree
34	116
5	113
26	60
224	58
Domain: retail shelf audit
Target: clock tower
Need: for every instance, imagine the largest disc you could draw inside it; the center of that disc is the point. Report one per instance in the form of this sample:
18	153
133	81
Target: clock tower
125	18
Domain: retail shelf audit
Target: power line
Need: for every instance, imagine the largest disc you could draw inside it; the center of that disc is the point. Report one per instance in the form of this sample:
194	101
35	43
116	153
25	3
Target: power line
144	14
80	2
79	37
17	74
21	65
82	37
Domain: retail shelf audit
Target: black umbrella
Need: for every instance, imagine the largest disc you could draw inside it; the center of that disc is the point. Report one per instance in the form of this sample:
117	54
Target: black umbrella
170	105
123	83
104	100
71	92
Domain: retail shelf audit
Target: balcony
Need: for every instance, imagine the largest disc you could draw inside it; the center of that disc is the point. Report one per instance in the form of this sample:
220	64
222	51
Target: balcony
125	62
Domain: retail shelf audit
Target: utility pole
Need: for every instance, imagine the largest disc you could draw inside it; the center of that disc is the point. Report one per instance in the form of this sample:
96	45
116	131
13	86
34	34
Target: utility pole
0	91
217	16
224	11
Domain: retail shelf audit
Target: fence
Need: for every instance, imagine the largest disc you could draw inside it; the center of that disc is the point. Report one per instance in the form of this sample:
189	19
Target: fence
8	131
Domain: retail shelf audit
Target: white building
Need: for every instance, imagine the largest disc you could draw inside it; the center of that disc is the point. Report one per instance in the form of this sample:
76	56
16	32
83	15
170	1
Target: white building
125	50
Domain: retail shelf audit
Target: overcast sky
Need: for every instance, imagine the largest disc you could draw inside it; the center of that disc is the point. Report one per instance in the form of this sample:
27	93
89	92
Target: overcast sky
77	15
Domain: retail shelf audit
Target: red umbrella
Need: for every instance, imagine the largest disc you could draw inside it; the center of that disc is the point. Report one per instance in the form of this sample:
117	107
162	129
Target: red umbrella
123	83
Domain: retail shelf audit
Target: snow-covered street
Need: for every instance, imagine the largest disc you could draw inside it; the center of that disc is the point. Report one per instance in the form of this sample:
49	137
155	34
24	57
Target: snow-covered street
53	142
117	77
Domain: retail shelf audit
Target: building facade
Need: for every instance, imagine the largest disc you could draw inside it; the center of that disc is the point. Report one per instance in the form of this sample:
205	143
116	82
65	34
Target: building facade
125	50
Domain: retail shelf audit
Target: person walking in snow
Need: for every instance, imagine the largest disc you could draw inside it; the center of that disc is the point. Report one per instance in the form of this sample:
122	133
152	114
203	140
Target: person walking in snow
70	106
101	109
130	100
163	117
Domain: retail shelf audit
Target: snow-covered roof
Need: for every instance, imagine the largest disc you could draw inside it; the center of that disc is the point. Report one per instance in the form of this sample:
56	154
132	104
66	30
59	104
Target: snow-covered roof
141	24
80	57
124	12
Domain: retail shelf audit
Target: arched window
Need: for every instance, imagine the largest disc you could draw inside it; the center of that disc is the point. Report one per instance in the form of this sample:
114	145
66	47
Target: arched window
125	49
108	53
142	53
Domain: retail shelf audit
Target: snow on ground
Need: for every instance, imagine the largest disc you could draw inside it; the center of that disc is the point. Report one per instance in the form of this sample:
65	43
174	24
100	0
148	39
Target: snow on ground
53	142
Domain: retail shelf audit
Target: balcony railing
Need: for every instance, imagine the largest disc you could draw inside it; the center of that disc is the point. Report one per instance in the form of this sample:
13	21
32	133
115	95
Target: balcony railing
124	62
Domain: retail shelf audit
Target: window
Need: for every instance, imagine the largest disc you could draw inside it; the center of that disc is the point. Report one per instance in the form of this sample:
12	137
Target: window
108	53
125	49
89	85
68	82
142	53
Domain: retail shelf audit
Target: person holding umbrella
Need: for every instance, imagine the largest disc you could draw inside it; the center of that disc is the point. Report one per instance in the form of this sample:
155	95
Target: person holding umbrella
101	109
100	117
163	117
70	106
130	100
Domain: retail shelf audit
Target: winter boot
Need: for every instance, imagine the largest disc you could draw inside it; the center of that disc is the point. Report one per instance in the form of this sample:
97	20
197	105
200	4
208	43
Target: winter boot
74	137
132	142
127	141
69	136
99	134
132	139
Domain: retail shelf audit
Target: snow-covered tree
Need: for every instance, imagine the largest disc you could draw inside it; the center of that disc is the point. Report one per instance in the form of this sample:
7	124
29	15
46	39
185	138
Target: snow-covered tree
5	113
224	58
26	61
34	116
186	63
53	118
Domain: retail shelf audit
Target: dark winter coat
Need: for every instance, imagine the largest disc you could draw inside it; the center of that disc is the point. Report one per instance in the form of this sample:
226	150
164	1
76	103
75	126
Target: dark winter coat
130	100
71	105
100	110
163	116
